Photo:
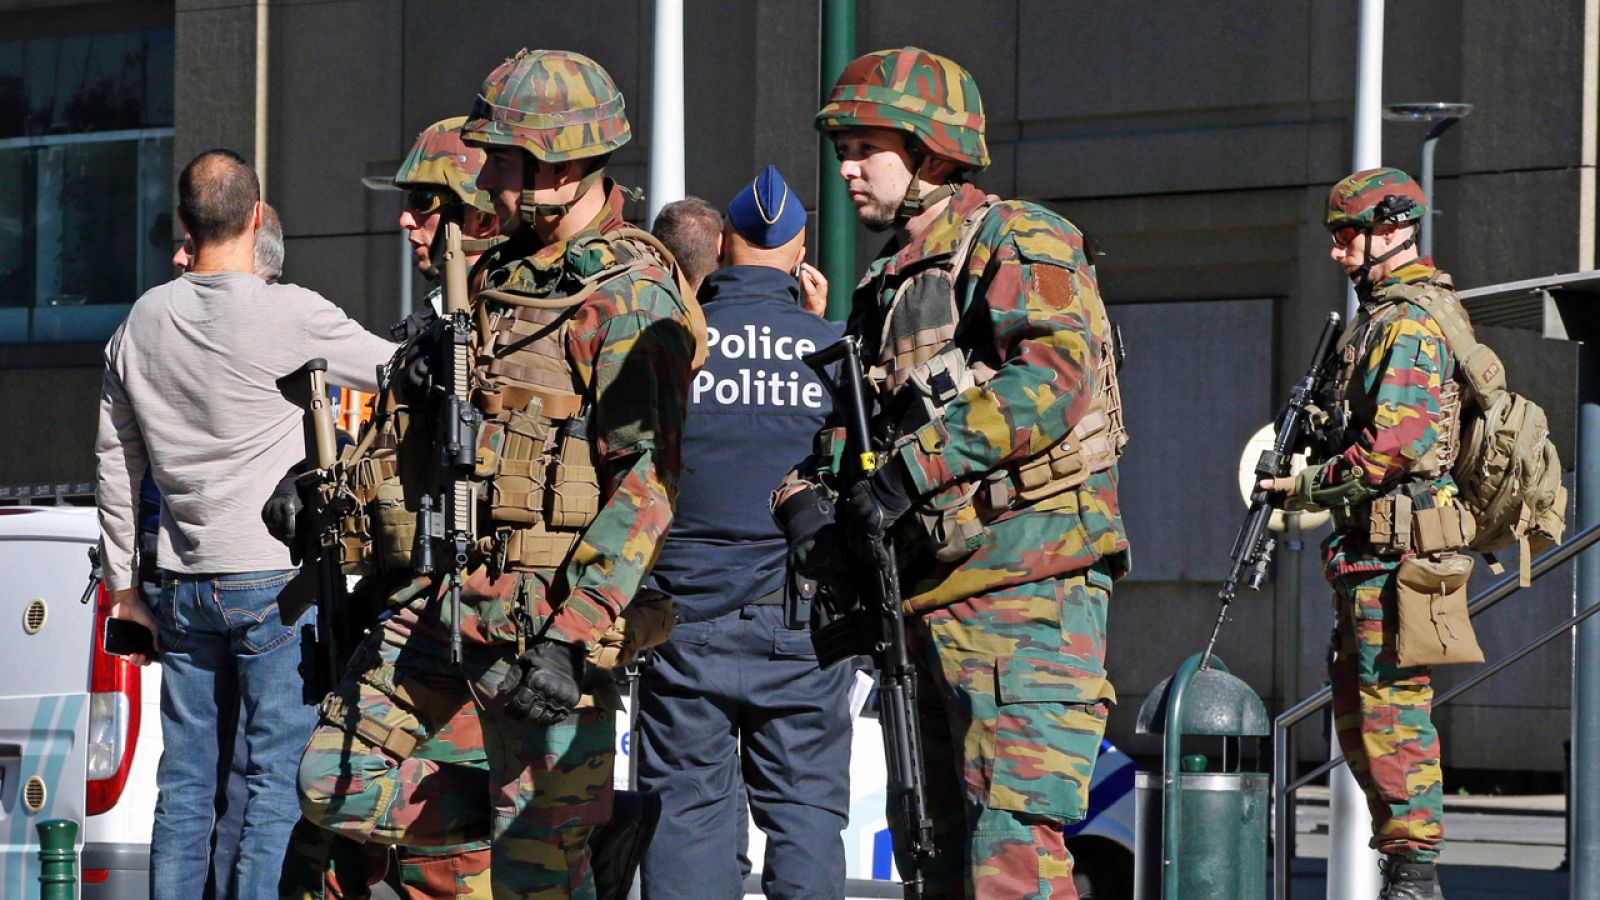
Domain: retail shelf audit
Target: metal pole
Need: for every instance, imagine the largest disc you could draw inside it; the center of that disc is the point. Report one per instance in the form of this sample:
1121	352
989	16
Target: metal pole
1584	853
836	233
666	109
1352	863
1438	129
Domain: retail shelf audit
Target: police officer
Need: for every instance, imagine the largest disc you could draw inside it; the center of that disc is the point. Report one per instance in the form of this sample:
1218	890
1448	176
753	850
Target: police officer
581	373
987	343
1391	393
735	699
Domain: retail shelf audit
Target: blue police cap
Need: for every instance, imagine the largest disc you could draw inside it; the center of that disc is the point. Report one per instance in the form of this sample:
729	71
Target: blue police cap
765	212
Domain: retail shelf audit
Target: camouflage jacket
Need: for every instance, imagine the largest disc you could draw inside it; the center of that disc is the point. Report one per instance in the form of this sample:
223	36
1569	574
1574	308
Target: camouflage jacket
1402	365
1024	299
629	346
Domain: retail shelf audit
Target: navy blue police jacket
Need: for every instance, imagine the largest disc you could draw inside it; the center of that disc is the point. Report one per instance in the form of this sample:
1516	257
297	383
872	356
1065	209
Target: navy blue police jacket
754	410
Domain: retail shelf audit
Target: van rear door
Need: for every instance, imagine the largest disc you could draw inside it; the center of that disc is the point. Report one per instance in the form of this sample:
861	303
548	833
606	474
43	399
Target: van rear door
44	693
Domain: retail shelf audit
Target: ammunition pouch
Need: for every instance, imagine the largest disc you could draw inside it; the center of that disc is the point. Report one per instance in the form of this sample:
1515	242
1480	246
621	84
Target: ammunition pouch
1395	525
1434	626
647	622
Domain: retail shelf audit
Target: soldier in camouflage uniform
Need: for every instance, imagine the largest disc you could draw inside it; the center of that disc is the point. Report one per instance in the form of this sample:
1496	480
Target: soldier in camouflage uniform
440	176
1395	403
582	351
985	337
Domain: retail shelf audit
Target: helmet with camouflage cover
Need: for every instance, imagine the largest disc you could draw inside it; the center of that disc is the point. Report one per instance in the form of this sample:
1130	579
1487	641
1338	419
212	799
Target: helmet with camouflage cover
554	104
929	96
1371	197
440	161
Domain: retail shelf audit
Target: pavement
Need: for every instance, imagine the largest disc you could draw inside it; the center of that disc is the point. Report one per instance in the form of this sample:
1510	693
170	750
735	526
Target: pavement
1509	848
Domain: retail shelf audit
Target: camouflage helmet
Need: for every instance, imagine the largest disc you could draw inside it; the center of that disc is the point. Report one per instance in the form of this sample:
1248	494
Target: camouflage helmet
439	160
555	104
928	95
1385	196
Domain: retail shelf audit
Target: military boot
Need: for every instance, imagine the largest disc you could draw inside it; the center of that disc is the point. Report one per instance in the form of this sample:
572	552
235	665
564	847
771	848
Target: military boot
1404	880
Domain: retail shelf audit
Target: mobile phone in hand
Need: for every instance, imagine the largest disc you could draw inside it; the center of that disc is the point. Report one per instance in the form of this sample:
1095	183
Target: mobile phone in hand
124	637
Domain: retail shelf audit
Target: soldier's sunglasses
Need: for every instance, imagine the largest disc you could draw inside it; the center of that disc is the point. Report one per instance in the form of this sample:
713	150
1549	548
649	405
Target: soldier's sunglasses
423	202
1344	234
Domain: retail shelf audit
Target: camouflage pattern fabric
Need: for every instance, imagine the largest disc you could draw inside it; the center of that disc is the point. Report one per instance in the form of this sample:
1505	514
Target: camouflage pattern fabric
439	159
1395	407
1013	704
555	104
545	786
911	90
1383	716
630	345
1029	603
1355	200
1383	712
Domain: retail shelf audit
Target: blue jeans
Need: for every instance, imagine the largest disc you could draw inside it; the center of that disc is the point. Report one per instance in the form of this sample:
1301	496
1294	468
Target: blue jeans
218	631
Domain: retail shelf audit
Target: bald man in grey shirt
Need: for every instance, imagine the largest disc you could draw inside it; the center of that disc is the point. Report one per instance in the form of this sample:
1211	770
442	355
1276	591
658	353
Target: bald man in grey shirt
189	392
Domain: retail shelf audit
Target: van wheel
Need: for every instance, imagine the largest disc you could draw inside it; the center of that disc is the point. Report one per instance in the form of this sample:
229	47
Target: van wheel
1102	871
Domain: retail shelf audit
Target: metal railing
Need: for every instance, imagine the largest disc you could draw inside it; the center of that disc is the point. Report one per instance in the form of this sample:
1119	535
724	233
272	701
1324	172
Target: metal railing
1282	788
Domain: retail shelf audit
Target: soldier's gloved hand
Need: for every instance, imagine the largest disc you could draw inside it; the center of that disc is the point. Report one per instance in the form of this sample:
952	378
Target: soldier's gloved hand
543	683
281	512
875	503
808	523
414	375
1332	484
413	325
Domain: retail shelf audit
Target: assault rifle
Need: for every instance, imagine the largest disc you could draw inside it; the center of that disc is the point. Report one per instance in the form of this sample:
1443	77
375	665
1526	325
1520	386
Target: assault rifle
329	500
873	625
446	521
1253	545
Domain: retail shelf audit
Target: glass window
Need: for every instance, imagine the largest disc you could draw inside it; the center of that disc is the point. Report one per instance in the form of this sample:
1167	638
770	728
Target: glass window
85	181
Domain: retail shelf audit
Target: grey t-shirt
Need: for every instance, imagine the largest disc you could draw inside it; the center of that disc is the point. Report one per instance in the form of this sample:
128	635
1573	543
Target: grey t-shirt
189	391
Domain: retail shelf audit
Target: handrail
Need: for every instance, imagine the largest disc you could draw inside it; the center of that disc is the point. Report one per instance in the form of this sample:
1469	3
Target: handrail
1550	559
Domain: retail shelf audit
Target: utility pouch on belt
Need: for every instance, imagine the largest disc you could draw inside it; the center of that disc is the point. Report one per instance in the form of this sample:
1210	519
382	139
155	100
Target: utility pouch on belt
1434	628
646	623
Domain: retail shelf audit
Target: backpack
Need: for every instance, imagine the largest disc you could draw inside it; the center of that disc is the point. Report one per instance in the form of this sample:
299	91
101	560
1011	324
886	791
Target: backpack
1506	466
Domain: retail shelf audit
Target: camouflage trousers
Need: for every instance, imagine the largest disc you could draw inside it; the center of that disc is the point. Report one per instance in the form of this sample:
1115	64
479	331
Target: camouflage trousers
1383	716
374	769
1012	699
323	865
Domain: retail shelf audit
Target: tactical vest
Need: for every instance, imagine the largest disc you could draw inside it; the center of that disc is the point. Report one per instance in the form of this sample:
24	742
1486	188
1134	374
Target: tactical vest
1354	409
537	484
921	368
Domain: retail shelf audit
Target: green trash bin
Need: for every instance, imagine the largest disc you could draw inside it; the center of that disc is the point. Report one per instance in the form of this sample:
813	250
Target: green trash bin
1216	845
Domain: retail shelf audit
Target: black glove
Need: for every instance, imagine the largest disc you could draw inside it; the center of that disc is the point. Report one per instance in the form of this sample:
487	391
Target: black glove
412	379
412	326
281	512
875	503
815	548
542	685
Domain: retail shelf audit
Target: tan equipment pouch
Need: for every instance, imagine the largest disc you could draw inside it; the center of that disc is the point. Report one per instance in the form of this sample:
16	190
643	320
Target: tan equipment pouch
518	464
1434	627
1396	526
646	623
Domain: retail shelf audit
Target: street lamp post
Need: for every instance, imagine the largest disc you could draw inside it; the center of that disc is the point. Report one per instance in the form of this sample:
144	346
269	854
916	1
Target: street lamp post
1442	115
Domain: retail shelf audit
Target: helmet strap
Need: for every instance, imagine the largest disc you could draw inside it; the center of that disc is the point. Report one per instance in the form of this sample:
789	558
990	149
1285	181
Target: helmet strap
1362	276
915	203
529	209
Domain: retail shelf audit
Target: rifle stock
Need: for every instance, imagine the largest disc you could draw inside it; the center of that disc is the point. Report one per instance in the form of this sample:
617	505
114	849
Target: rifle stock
1253	545
878	629
329	501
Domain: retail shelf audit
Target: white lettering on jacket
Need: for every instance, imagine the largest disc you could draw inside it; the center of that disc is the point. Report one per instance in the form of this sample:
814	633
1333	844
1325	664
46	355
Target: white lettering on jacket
754	385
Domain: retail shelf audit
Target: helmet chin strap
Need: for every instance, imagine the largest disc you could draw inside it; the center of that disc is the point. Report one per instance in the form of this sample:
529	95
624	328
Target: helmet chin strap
1362	276
915	203
530	209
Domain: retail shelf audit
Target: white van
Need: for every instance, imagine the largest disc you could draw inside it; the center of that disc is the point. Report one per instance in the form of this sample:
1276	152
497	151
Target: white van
79	730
